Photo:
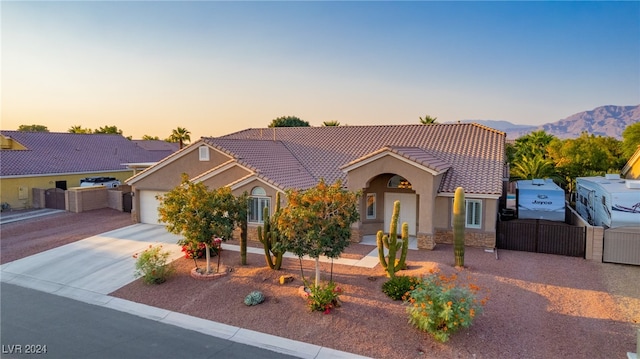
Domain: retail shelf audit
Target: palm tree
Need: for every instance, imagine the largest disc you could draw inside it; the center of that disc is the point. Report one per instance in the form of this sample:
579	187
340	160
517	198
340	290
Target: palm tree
78	129
330	123
533	167
428	120
180	135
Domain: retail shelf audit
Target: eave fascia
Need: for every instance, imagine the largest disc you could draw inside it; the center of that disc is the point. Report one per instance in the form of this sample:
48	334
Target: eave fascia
63	173
471	195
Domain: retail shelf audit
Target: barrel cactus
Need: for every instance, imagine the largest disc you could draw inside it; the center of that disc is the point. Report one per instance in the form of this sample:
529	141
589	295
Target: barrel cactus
458	226
254	298
391	242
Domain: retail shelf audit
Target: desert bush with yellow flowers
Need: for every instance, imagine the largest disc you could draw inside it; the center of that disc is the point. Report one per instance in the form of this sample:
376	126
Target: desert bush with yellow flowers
440	306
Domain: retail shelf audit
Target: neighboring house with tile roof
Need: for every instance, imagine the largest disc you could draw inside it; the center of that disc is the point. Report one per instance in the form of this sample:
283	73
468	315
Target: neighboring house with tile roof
420	165
59	160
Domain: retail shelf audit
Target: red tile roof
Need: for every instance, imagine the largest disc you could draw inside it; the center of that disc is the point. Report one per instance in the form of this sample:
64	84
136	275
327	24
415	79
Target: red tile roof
471	154
53	152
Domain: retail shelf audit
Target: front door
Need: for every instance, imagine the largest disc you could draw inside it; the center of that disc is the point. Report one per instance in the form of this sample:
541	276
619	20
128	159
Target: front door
408	204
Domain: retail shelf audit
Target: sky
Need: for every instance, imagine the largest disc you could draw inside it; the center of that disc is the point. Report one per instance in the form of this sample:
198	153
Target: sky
220	67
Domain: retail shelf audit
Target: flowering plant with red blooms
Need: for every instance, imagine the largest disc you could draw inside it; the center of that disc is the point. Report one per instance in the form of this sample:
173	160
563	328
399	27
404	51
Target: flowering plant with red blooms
196	250
324	298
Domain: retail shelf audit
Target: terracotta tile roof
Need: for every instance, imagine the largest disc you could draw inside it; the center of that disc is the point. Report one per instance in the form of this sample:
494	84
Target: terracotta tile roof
53	152
300	156
271	160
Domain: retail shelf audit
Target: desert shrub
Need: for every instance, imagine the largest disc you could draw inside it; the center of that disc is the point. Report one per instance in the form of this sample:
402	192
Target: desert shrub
152	265
398	287
441	307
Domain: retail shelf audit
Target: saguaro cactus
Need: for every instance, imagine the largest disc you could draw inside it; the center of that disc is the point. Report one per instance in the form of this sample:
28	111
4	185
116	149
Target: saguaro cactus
458	226
270	239
392	243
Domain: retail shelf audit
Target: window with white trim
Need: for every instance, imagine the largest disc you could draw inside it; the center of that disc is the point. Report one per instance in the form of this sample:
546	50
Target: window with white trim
371	205
473	214
203	152
257	202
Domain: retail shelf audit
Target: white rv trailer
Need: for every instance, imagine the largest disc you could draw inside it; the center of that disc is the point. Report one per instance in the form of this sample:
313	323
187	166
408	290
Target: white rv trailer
540	199
608	201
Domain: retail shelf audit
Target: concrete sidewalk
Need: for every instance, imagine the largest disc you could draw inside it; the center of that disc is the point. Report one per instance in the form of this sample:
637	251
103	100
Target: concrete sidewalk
90	269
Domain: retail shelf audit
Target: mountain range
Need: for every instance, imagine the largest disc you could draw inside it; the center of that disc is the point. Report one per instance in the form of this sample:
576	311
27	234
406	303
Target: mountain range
609	120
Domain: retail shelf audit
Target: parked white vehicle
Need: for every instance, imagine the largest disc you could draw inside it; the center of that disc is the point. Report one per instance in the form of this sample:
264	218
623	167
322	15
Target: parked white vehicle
109	182
608	201
540	199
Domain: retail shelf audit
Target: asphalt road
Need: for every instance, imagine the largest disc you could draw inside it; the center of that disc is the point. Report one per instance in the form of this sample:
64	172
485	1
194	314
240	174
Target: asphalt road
59	327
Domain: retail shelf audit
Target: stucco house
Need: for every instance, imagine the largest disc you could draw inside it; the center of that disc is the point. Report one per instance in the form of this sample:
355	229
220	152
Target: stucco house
420	165
59	160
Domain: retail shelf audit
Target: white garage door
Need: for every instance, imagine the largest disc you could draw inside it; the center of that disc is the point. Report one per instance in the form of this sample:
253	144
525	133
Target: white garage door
407	210
149	206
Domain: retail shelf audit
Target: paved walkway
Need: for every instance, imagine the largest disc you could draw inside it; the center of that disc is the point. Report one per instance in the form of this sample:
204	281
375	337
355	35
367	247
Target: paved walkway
90	269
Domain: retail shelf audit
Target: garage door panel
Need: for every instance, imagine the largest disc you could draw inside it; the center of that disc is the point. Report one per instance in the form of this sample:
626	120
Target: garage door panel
149	206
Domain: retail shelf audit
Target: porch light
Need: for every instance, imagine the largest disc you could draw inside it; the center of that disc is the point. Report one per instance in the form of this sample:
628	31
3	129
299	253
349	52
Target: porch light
404	184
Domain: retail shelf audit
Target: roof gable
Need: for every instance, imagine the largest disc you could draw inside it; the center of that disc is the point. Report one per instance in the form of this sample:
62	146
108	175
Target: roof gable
412	155
56	153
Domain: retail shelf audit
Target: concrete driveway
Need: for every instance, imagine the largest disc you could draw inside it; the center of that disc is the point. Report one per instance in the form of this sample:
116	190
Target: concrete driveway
96	265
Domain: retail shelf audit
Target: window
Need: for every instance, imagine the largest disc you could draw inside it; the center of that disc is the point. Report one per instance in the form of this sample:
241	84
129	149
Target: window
371	205
203	152
257	202
474	213
398	182
473	210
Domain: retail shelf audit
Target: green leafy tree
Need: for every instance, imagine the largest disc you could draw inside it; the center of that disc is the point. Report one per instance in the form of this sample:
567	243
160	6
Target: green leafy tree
630	140
587	155
79	129
428	120
198	214
288	121
330	123
33	128
111	130
150	138
317	221
180	135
